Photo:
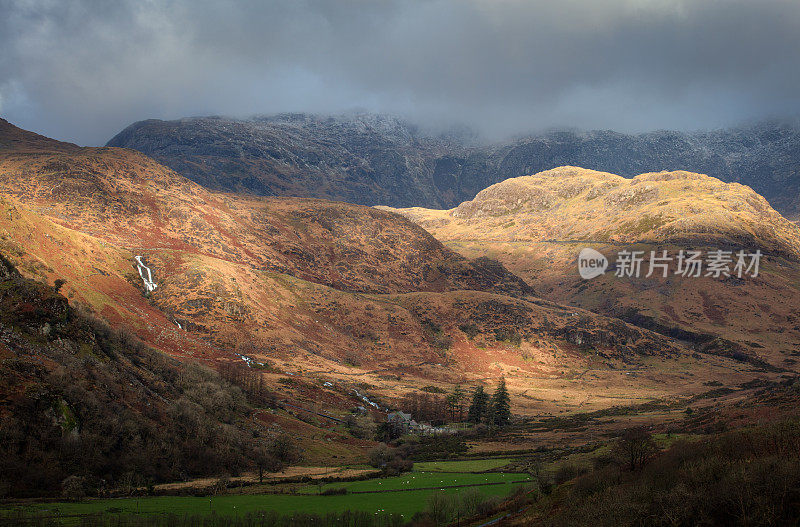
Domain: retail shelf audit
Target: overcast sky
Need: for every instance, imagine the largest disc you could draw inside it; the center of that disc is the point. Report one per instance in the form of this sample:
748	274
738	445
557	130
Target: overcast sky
82	70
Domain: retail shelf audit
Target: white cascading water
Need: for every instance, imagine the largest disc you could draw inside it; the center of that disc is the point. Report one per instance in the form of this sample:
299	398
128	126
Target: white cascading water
146	274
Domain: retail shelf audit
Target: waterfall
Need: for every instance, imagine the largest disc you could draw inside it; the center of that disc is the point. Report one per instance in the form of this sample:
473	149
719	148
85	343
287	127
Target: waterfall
146	274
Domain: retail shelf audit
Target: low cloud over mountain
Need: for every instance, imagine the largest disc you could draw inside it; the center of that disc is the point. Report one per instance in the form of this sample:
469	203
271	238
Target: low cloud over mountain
503	67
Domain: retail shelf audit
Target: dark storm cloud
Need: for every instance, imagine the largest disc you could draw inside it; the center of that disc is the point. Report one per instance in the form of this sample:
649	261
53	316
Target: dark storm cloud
82	70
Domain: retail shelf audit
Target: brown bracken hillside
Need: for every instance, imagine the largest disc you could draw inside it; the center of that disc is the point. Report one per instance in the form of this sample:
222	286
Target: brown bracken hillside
318	289
537	225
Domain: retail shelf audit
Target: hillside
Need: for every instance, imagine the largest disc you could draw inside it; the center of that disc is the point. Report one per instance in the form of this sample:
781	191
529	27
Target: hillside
571	203
536	225
308	291
125	197
378	160
16	139
80	400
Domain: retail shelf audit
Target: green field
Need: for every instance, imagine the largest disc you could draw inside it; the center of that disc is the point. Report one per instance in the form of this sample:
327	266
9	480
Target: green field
472	465
391	495
422	480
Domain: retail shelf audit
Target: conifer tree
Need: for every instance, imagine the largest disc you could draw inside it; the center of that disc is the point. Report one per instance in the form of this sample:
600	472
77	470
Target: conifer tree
500	406
455	403
458	396
477	409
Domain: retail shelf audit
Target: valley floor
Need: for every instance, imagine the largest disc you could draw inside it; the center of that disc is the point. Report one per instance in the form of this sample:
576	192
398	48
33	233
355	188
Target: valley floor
533	454
402	495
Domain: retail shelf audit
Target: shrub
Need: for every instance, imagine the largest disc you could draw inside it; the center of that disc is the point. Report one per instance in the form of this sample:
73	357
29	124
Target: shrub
567	472
470	330
508	335
360	426
73	487
221	485
397	466
379	456
635	447
443	508
391	461
337	491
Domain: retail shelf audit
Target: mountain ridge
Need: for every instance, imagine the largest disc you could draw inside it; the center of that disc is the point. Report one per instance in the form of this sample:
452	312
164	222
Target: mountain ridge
379	160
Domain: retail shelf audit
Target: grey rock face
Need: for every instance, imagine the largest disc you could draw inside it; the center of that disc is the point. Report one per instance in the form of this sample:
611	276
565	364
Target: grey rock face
373	159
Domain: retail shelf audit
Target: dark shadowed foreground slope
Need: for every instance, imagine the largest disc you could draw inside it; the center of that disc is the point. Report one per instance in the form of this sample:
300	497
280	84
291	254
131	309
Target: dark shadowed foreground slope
80	400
